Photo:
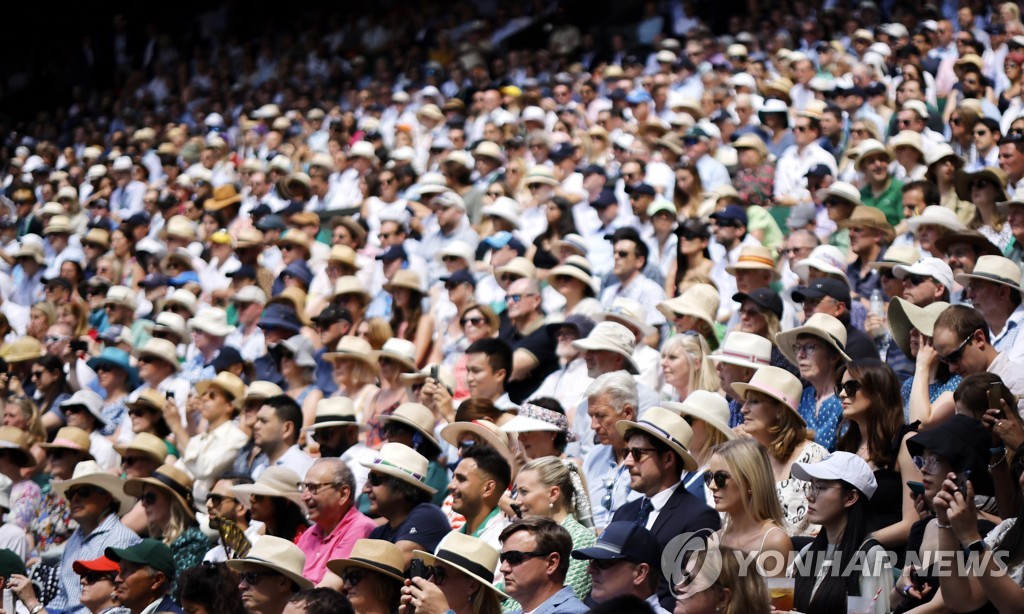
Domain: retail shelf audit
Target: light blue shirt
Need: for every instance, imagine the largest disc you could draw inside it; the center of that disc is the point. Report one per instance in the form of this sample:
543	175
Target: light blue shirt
606	477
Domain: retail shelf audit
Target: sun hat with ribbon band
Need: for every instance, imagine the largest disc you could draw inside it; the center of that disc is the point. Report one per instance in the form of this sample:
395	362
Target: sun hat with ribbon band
898	254
351	347
336	411
171	480
484	432
400	461
376	555
277	554
778	384
276	481
754	258
905	316
993	269
89	472
532	418
145	443
415	416
820	325
666	426
710	407
70	438
744	350
470	555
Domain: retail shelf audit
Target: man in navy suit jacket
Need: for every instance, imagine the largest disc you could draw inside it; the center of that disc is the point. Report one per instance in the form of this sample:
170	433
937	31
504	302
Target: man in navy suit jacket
657	455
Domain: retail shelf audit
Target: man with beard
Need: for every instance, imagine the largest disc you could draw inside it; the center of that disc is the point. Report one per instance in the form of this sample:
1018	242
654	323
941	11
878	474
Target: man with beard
962	250
336	431
223	507
567	384
478	483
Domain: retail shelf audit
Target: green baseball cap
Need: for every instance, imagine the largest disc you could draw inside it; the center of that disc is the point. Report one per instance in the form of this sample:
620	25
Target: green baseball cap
10	564
151	552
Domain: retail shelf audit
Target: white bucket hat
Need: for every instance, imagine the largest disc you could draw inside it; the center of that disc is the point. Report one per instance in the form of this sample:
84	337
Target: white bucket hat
505	208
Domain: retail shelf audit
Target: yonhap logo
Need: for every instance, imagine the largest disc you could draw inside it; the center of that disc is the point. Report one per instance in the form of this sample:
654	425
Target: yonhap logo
692	562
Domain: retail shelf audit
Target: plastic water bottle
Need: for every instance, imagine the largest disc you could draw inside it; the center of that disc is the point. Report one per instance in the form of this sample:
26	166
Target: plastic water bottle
882	339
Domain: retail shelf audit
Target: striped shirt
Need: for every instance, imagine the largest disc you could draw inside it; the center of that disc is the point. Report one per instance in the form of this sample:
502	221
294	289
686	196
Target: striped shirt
110	533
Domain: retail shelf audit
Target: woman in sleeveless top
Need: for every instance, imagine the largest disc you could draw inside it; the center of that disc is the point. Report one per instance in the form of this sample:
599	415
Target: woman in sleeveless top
739	475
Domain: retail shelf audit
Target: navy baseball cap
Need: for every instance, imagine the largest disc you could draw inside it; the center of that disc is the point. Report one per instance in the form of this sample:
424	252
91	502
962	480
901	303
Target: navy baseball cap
226	357
819	170
820	288
732	213
271	222
331	315
623	540
395	252
593	169
604	199
462	276
246	271
277	315
641	189
581	323
765	298
562	152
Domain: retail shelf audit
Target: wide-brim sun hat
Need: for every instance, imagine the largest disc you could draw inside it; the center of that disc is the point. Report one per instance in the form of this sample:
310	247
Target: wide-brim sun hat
667	427
404	278
401	351
400	461
375	555
904	316
710	407
90	473
228	383
963	181
744	350
483	432
577	267
937	153
776	383
351	347
470	555
350	284
145	443
275	481
70	438
700	301
611	337
161	349
277	554
993	269
533	418
414	416
872	218
843	191
979	242
169	479
871	147
936	215
820	325
897	255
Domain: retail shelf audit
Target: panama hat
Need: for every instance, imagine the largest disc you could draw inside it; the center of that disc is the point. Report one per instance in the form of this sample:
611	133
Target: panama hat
751	141
936	215
994	269
754	258
336	411
185	298
30	250
777	383
149	398
488	149
70	438
897	255
376	555
629	313
15	441
97	236
405	278
171	480
667	427
904	316
146	443
611	337
940	152
871	147
825	258
180	227
345	255
226	382
458	249
483	431
275	481
470	555
573	241
963	180
354	348
531	418
59	224
350	284
161	349
415	416
979	242
843	191
399	350
170	322
744	350
577	267
504	208
223	196
541	174
212	321
262	390
700	301
518	266
820	325
89	472
907	138
710	407
870	217
23	349
120	295
277	554
400	461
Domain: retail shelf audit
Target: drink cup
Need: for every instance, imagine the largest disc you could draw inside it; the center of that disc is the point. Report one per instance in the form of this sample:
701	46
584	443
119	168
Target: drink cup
781	592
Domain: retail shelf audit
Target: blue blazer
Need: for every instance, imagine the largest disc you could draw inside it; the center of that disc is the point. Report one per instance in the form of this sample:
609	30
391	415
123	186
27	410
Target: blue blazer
562	602
683	513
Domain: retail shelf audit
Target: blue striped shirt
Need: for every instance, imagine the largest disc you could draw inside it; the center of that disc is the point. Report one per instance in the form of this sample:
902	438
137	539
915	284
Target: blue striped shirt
110	533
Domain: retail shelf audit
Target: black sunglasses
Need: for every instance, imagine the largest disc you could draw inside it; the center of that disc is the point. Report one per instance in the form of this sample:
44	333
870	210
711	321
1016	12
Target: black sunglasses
916	280
375	479
85	492
96	576
851	388
956	355
516	557
720	478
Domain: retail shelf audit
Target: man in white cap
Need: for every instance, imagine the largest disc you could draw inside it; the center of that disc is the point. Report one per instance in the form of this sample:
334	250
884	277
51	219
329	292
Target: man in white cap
209	329
127	198
926	281
453	225
85	410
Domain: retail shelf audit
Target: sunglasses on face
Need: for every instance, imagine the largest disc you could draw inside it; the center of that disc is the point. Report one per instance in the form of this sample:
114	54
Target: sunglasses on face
253	577
149	498
353	576
84	492
375	479
720	478
638	453
517	557
916	280
140	412
956	355
851	388
130	461
887	274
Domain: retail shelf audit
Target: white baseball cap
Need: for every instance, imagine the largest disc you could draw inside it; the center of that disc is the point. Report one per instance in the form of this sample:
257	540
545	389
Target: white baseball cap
930	266
844	466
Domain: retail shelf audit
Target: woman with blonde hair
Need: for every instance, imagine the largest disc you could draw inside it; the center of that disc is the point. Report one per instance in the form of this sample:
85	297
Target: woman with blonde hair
478	322
355	372
76	315
20	412
685	365
42	315
771	417
551	487
732	592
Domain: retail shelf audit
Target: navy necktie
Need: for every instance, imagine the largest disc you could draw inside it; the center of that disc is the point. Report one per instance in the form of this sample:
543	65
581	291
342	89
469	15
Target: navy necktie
644	512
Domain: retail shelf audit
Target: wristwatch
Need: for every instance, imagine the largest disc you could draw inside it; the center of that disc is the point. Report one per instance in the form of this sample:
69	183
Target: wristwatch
975	546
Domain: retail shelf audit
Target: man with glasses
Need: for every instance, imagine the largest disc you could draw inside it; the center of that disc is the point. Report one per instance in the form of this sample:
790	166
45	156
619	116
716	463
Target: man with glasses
533	356
962	342
630	262
913	116
147	573
222	506
276	433
926	281
793	164
329	492
626	560
534	562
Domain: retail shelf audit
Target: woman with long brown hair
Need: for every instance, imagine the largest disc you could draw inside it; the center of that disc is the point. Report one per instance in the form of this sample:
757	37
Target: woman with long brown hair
693	258
408	319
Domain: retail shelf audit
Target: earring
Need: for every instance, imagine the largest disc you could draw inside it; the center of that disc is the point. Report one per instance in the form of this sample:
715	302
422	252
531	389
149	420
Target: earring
551	505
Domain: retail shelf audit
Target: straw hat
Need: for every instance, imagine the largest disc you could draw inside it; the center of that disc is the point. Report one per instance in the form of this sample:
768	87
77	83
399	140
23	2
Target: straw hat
30	250
483	431
541	174
907	138
399	350
400	461
181	227
611	337
518	266
415	416
350	284
22	349
228	383
699	301
777	383
275	481
262	390
896	255
223	196
171	480
70	438
161	349
97	236
870	217
345	255
505	208
870	147
963	180
294	236
489	149
744	350
89	472
458	249
146	443
751	141
59	224
470	555
841	190
940	152
120	295
170	322
904	315
629	313
249	237
90	401
710	407
754	258
376	555
212	321
936	215
277	554
820	325
825	258
405	278
667	427
994	269
979	242
336	411
354	348
577	267
185	298
149	398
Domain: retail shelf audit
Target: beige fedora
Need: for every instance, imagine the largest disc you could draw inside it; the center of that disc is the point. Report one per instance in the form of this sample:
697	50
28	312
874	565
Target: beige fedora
30	250
261	389
170	322
897	255
470	555
277	554
414	416
611	337
710	407
871	147
751	141
180	227
336	411
212	321
223	196
228	383
667	427
151	399
354	348
23	349
907	138
489	149
345	255
904	316
70	438
744	350
147	444
400	461
820	325
161	349
59	224
754	258
171	480
577	267
401	351
405	278
457	249
777	383
482	431
518	266
864	216
89	472
376	555
275	481
963	181
629	313
121	295
97	236
15	441
184	298
699	301
541	174
994	269
350	284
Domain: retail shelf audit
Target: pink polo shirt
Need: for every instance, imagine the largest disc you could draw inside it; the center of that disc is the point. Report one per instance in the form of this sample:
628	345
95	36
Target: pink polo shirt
338	545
